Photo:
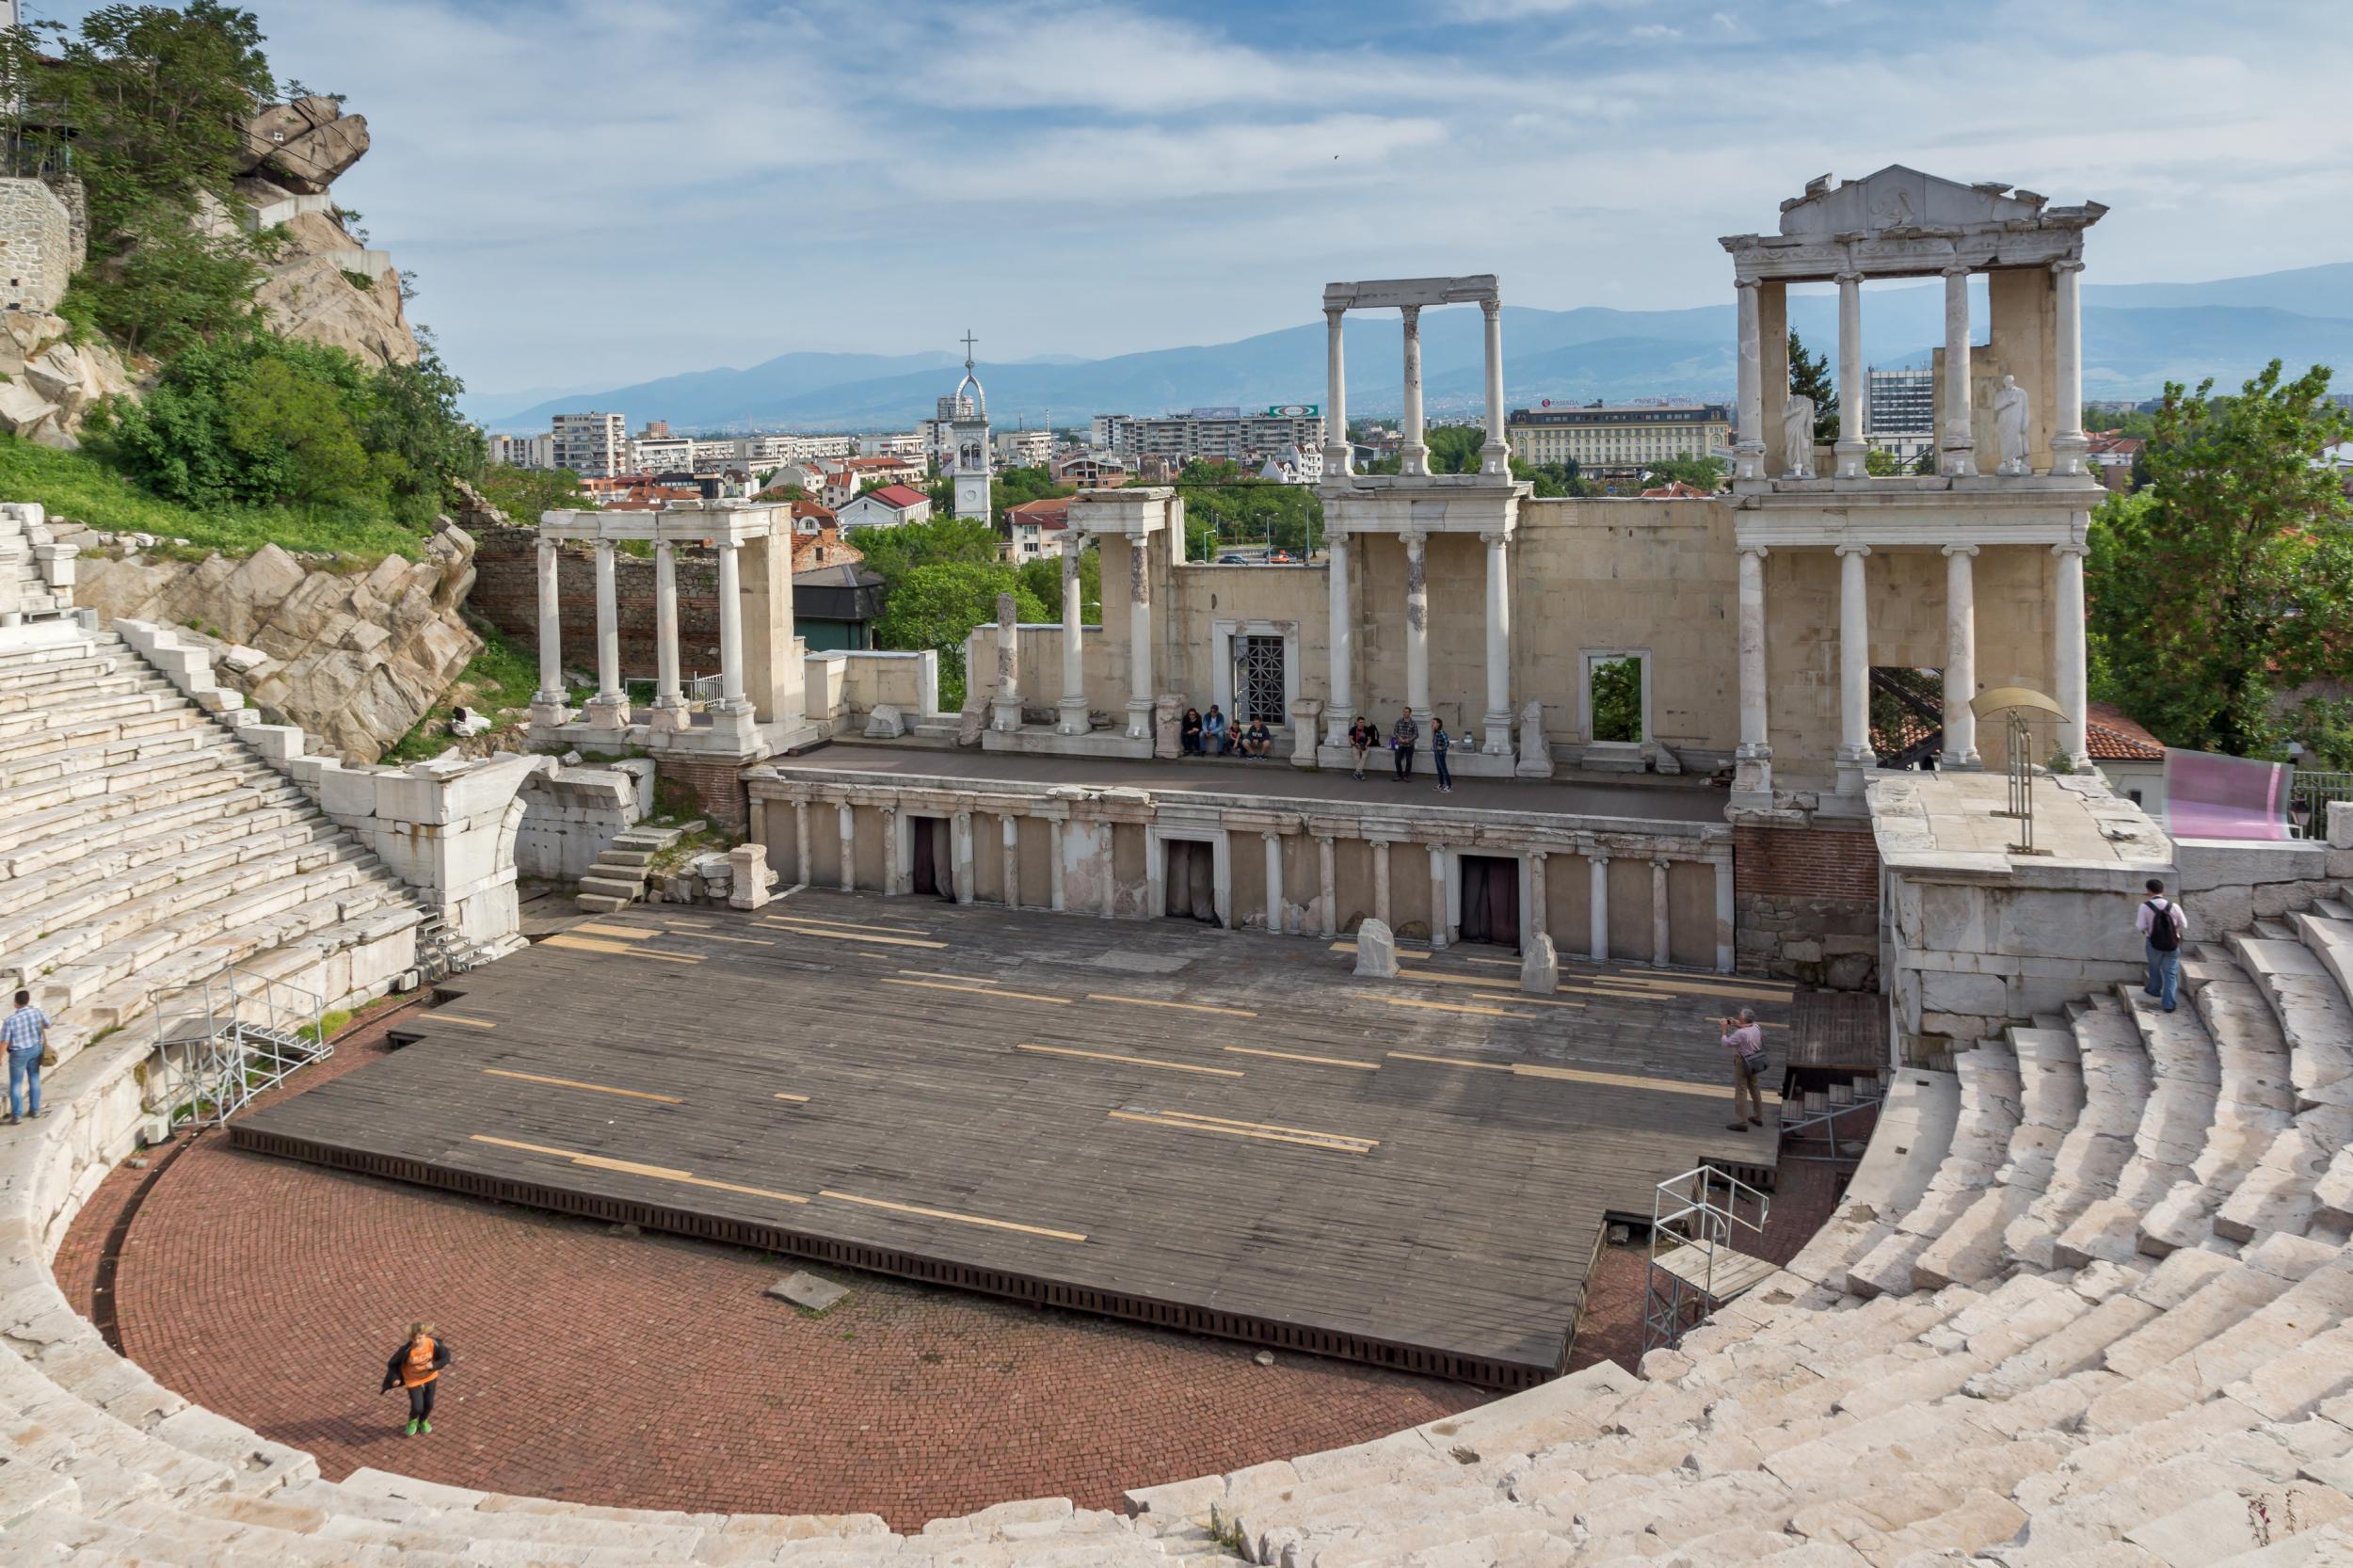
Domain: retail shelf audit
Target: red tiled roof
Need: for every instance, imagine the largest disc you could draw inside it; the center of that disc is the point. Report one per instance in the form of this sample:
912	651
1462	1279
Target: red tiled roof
2111	736
1046	511
898	496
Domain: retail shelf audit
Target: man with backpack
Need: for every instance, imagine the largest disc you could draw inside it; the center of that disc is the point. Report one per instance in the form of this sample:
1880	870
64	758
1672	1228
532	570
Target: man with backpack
2161	924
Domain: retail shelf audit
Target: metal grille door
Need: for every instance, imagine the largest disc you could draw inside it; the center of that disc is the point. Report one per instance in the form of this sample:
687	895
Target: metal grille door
1258	680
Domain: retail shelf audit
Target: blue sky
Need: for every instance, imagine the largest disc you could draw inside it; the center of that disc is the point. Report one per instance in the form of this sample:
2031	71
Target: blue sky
597	191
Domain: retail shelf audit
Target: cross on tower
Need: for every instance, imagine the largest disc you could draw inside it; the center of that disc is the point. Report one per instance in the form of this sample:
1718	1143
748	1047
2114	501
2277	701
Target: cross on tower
968	342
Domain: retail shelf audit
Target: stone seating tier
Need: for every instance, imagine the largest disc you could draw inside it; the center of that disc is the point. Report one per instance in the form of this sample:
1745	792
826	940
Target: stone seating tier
2084	1305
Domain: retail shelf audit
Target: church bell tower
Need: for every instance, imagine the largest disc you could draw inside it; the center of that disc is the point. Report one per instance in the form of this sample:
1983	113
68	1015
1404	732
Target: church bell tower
969	429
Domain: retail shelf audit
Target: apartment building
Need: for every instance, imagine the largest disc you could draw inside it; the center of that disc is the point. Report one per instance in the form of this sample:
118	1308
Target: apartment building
594	445
1232	434
1601	438
536	452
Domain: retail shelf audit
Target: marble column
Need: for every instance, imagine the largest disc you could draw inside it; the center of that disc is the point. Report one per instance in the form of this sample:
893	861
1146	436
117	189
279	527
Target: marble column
1381	882
1854	392
1009	829
890	850
847	816
1957	443
1336	447
1854	670
1139	637
1753	761
960	856
669	701
550	692
1498	716
1328	884
2068	444
1440	932
1273	882
1056	898
1661	936
609	707
1417	624
1961	657
1749	454
1071	712
1725	916
730	629
1598	865
1495	456
2068	652
800	844
1341	712
1535	920
1413	457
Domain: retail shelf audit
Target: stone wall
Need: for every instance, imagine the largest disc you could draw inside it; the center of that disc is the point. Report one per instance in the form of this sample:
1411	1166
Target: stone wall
37	257
353	659
1808	902
506	593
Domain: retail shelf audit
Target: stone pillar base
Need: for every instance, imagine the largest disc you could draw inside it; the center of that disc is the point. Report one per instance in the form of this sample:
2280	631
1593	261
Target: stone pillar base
1071	717
1968	761
2067	457
1748	460
549	715
1336	724
1498	734
1306	711
669	715
1853	765
1958	462
1495	459
1850	460
1753	774
606	712
1003	716
1139	718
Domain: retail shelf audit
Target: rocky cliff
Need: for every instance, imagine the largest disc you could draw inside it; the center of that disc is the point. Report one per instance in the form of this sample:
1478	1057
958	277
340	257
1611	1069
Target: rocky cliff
47	382
355	659
295	151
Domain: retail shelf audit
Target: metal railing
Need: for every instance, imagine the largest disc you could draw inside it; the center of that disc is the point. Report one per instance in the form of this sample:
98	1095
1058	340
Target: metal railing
222	1041
2310	790
1686	1215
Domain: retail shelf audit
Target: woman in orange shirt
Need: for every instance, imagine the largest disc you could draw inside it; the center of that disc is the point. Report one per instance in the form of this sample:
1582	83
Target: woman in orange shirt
417	1366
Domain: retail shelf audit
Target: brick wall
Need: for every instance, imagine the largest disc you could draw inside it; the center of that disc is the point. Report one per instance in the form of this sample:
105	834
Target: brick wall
717	785
506	592
1806	903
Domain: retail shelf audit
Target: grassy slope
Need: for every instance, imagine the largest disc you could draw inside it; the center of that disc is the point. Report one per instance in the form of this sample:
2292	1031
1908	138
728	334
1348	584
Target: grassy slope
82	490
502	675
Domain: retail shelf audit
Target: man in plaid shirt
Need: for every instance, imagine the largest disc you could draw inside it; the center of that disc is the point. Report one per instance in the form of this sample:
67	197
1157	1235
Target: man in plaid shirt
25	1032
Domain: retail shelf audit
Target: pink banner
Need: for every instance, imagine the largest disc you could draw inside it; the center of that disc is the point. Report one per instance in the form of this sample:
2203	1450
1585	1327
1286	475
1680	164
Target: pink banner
2209	796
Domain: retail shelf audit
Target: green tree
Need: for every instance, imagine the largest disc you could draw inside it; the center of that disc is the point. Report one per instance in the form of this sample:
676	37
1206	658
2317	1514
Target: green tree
1702	473
1454	448
1809	374
937	604
523	493
1042	580
1879	464
291	432
2230	581
413	418
1617	700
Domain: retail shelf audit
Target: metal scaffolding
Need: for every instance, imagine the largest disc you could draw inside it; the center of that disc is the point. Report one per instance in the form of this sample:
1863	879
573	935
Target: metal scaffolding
1694	1268
222	1041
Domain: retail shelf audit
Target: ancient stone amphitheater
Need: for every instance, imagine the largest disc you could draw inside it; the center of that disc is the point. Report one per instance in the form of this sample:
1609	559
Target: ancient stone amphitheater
2084	1304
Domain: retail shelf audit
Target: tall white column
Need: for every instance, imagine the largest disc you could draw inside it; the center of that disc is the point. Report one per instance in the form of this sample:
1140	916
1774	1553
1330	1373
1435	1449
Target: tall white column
1854	670
1725	917
1661	943
1273	882
1336	447
1009	829
730	629
610	707
1413	457
1495	457
1139	637
1961	657
1341	712
847	816
1855	394
1749	456
890	850
1753	762
1381	882
669	698
551	628
1071	712
1535	920
1956	442
1498	716
1598	902
1056	897
1328	884
1417	625
801	810
960	856
1440	934
2068	654
2067	430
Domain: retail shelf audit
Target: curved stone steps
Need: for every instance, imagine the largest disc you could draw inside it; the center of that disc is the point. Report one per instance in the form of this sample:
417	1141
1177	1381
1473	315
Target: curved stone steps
2167	1141
1914	1130
1988	1116
2314	1017
2051	1099
2115	1071
2254	1105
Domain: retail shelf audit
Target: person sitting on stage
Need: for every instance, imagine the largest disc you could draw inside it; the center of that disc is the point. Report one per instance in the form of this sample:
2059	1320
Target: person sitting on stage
1257	741
1188	736
1215	742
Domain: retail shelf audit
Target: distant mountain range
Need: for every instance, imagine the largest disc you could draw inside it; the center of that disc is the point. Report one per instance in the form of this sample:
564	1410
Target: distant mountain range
2137	336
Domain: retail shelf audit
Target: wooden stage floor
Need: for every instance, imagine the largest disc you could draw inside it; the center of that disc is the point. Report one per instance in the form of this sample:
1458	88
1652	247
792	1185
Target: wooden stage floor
1217	1131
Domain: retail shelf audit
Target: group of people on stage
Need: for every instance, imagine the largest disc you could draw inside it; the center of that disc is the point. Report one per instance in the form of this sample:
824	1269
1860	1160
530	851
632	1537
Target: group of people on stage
1214	735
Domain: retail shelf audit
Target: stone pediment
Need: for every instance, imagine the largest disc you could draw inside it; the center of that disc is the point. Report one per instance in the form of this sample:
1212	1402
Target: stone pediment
1900	198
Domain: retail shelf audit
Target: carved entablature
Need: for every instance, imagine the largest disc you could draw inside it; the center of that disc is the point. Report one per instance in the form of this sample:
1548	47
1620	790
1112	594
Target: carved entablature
1392	294
1902	223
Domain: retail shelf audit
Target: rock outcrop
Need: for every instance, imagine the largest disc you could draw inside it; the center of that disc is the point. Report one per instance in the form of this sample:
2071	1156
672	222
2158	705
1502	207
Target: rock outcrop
304	145
47	382
324	283
356	660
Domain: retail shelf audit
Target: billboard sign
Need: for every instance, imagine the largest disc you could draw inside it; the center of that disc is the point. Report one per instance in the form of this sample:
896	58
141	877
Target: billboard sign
1294	410
1234	412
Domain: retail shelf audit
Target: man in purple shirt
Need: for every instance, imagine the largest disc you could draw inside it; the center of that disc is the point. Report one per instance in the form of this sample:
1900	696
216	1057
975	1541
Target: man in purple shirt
1745	1038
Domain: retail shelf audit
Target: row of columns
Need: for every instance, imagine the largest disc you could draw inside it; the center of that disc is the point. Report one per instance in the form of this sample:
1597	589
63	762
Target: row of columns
1854	660
1342	620
1956	435
1495	453
1533	921
610	706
